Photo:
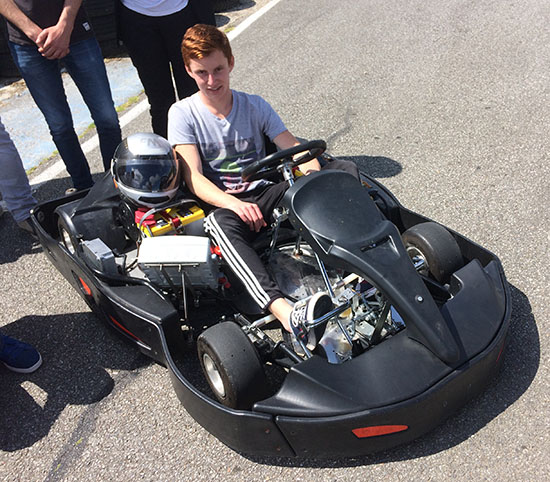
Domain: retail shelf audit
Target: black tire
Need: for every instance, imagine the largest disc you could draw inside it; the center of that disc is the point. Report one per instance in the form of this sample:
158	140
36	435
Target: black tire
67	235
437	247
231	366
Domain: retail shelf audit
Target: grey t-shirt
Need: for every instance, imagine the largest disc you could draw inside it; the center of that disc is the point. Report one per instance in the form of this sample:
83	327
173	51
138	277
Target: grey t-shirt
226	146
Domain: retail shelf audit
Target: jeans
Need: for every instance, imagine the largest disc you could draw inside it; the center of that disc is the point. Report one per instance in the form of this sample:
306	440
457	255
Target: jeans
85	65
14	184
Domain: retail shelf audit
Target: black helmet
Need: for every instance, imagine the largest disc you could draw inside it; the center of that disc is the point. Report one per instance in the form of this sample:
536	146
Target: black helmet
145	169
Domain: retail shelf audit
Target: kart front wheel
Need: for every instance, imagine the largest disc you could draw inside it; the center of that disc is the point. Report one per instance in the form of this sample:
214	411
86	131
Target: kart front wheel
436	247
231	365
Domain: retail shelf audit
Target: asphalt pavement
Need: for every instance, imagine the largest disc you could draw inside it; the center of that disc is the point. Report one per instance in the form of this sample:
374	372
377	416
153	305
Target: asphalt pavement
447	103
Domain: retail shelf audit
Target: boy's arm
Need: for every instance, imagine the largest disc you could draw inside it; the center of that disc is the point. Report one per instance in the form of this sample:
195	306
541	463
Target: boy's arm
206	190
53	42
12	13
285	140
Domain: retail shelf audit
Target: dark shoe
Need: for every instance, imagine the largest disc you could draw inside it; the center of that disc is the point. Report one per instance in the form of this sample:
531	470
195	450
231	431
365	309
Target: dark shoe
26	225
18	356
306	311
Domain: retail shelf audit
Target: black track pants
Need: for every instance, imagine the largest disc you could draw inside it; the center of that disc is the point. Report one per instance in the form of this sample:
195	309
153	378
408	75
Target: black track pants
154	45
235	238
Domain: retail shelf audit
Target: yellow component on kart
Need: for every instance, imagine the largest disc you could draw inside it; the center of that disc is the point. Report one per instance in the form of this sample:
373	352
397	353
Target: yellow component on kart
170	220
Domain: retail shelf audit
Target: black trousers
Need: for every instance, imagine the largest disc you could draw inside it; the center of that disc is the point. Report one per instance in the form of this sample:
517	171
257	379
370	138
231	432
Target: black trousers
154	45
235	238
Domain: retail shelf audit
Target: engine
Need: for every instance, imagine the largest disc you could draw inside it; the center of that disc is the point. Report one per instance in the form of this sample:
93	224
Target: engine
172	248
368	319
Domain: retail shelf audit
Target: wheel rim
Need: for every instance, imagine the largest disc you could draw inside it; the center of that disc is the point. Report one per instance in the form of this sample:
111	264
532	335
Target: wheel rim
67	240
213	375
416	255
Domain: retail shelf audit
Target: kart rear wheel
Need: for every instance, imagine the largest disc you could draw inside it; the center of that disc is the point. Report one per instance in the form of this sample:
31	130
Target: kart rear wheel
231	366
436	247
67	235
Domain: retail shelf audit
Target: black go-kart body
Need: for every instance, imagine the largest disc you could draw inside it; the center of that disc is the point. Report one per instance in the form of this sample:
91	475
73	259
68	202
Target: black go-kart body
390	383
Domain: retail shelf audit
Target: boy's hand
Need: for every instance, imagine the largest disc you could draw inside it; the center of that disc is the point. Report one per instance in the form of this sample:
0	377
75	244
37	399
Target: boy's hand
250	213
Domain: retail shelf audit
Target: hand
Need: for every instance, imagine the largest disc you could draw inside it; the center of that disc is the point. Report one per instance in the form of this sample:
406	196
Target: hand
53	42
250	213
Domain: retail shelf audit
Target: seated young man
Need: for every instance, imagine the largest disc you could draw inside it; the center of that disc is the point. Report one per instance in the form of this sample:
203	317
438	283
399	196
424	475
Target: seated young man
217	132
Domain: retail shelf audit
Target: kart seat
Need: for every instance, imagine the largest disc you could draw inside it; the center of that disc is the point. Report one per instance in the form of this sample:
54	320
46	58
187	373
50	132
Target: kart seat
331	207
341	222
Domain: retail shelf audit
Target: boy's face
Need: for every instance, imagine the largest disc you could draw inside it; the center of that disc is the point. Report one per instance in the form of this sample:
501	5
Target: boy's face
211	74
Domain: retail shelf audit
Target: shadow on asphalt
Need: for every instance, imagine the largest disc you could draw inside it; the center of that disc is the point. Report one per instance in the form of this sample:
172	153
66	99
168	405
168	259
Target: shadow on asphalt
15	243
231	5
520	365
376	166
221	6
76	352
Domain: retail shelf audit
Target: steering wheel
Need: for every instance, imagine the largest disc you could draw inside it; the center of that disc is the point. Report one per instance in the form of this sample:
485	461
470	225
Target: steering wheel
276	161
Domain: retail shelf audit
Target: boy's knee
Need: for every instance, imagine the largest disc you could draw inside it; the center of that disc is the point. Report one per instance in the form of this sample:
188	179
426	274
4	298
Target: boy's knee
343	165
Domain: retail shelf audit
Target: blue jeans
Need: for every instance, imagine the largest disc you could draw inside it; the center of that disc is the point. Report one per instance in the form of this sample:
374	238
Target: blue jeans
85	65
14	184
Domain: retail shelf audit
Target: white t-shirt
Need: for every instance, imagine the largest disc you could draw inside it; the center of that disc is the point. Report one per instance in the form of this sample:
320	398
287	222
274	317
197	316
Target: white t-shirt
226	146
155	8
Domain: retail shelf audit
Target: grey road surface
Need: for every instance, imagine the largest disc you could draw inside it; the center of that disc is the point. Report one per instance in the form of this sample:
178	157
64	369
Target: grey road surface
448	104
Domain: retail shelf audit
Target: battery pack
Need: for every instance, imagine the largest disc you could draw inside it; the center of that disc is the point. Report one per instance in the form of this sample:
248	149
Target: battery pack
164	259
169	221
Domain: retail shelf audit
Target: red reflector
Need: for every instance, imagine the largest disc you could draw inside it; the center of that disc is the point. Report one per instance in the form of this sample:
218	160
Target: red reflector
377	430
500	352
125	330
85	287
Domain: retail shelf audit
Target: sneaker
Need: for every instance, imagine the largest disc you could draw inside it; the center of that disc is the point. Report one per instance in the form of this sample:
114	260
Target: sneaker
18	356
308	310
70	191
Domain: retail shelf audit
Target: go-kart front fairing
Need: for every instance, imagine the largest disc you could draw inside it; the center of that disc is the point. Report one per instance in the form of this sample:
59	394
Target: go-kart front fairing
398	389
388	394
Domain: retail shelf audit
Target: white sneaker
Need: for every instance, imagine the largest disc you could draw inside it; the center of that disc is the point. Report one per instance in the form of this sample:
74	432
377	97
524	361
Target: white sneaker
308	310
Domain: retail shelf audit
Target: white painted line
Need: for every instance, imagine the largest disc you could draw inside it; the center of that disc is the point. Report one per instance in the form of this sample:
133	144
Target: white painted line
58	167
250	20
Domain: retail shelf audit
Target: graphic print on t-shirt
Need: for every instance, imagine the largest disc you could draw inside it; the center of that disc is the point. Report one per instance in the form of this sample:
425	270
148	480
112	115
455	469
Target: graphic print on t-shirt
223	163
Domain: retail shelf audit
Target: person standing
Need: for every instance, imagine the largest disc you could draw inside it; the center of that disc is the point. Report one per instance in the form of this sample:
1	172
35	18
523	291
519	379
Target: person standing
14	184
41	36
152	31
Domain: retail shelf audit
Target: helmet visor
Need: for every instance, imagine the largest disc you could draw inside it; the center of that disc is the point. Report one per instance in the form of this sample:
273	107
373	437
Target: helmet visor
151	174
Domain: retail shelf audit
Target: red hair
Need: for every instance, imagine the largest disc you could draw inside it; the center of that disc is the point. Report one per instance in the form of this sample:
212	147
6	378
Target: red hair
201	40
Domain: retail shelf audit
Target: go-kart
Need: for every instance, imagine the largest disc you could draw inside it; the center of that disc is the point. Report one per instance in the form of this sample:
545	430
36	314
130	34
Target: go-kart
418	325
